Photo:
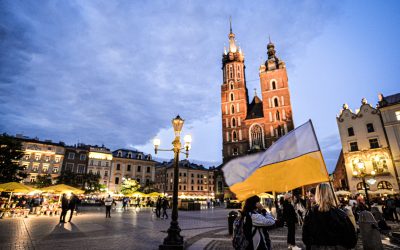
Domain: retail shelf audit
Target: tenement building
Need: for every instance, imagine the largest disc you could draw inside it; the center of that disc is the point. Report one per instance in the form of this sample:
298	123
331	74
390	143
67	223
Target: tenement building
366	150
389	107
134	165
41	158
100	163
195	181
76	159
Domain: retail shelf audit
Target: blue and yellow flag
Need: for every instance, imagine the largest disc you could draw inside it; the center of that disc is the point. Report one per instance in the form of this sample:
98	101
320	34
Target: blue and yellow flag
293	161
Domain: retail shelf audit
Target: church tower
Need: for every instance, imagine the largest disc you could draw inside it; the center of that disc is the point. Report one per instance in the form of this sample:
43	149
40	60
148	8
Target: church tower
277	107
234	99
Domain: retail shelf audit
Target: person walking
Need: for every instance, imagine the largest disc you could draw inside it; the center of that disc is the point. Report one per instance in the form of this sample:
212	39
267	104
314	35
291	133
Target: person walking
165	205
391	205
326	226
256	220
64	208
108	203
158	207
72	205
290	217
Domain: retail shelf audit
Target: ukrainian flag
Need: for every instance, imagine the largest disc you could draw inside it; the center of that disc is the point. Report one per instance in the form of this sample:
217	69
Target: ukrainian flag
293	161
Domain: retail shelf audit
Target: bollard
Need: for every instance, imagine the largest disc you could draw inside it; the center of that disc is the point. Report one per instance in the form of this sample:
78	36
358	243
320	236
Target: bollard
371	237
231	218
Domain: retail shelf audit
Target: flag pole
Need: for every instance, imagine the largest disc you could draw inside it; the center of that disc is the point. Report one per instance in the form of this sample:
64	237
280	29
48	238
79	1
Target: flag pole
323	160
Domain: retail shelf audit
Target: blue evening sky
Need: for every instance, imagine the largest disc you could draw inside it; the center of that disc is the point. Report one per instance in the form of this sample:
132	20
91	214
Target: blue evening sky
117	72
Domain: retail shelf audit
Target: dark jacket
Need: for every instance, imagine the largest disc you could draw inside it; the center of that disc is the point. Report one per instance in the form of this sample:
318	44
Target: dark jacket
327	228
165	204
73	202
64	203
289	214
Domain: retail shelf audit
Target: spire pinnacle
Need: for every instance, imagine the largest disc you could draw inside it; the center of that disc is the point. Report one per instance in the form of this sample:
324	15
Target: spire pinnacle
230	24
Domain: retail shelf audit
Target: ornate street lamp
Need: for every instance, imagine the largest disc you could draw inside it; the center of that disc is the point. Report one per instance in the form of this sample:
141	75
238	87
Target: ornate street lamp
361	173
174	240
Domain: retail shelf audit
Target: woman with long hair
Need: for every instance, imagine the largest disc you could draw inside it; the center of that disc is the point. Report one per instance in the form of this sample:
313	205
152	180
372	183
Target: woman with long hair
326	226
256	219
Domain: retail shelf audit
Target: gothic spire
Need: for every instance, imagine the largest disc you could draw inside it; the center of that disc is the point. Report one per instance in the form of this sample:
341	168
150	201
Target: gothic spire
232	42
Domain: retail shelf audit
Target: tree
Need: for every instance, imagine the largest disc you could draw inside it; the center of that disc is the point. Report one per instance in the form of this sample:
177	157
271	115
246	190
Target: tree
149	188
67	177
10	154
92	182
43	181
129	186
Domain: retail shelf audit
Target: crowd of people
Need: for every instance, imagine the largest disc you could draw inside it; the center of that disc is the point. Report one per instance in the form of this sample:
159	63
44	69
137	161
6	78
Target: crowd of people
326	223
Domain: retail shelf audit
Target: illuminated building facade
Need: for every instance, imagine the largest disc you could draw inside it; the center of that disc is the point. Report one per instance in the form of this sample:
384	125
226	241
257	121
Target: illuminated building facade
195	181
364	142
41	158
100	159
389	107
131	164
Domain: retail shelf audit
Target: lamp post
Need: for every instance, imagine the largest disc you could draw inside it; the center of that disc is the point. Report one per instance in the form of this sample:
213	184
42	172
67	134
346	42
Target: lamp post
174	240
361	173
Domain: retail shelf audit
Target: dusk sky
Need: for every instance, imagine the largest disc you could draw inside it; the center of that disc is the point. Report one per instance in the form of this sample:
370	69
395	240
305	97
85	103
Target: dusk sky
117	72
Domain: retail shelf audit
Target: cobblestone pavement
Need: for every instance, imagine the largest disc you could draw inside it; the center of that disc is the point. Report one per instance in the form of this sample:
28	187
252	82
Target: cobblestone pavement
205	229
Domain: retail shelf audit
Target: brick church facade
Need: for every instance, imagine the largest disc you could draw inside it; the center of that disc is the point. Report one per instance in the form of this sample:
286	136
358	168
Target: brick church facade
253	126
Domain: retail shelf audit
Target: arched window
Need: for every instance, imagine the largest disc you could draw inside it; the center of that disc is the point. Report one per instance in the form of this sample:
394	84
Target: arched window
238	71
384	185
276	102
233	122
119	154
232	109
278	116
234	136
280	131
360	186
256	137
273	85
232	97
230	71
129	155
139	156
231	85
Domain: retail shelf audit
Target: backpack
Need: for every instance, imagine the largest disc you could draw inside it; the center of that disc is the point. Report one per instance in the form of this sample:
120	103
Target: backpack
348	234
239	240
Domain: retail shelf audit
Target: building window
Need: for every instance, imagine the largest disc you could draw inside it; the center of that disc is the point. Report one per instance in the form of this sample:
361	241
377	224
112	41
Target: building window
83	157
276	102
37	157
360	186
71	156
81	168
397	113
99	163
233	122
234	136
273	85
106	163
192	188
232	97
57	159
129	155
278	117
350	131
230	71
235	151
105	173
47	158
148	170
45	169
98	172
139	156
370	128
119	154
231	85
128	168
33	178
232	109
353	146
256	136
26	157
116	180
373	143
118	166
55	169
69	167
384	185
139	168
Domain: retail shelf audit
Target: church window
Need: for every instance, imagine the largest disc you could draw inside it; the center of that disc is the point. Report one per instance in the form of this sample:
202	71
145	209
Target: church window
230	72
280	131
232	97
273	85
278	117
234	136
231	85
276	102
256	136
233	122
238	69
232	109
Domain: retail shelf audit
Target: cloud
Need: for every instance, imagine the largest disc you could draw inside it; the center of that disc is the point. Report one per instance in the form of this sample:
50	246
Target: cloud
116	72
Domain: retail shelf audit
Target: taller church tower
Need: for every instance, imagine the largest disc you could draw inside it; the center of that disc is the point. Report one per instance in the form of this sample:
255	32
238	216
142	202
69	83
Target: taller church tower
251	127
234	99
